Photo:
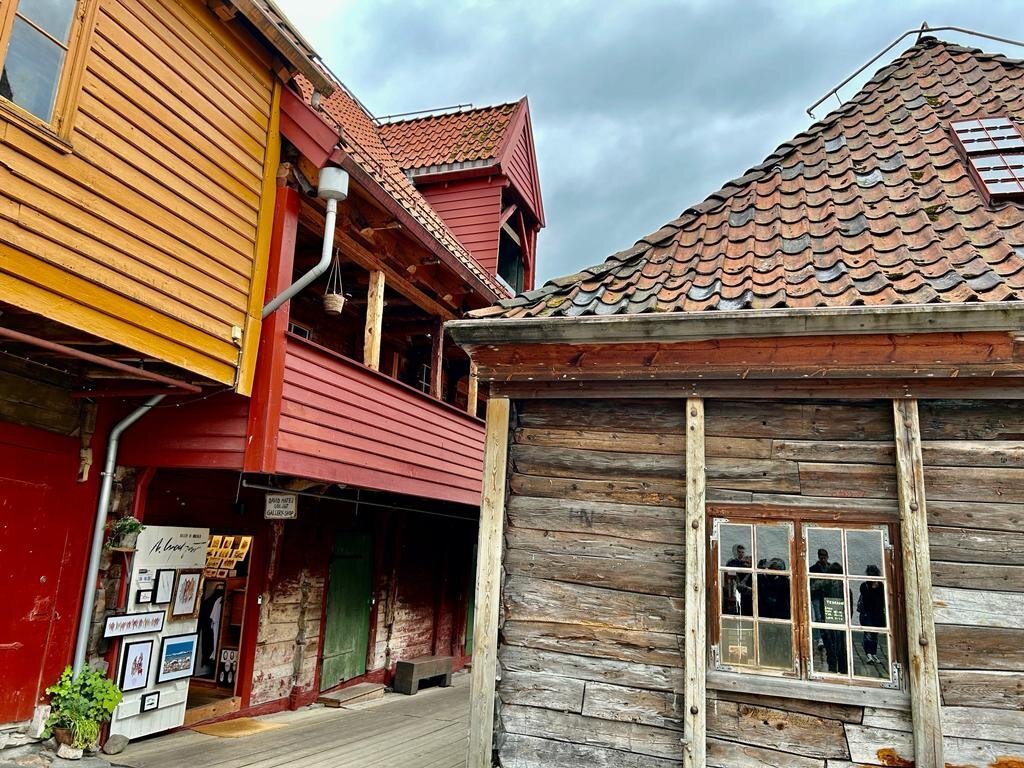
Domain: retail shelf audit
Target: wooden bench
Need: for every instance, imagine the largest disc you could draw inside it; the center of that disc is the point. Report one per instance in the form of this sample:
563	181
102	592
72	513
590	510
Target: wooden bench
409	673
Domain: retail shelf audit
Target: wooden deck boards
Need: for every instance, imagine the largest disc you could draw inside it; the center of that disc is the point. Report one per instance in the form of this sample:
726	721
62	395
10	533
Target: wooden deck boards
429	729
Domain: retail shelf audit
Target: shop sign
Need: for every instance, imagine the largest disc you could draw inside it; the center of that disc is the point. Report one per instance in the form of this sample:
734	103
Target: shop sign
281	506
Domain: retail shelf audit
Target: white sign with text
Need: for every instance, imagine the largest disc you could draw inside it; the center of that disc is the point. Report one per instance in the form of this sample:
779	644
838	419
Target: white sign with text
281	506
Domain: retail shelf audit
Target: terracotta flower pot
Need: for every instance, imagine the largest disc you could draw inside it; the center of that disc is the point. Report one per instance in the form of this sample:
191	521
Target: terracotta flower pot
63	736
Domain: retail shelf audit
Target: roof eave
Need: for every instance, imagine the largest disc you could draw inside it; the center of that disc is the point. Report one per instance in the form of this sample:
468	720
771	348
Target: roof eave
702	326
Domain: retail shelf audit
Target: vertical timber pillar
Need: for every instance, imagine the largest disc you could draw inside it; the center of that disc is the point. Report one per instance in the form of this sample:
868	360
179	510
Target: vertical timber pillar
696	615
374	320
923	666
472	390
488	585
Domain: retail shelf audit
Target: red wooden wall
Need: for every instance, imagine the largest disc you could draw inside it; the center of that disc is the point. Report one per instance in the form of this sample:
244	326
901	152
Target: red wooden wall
519	165
472	210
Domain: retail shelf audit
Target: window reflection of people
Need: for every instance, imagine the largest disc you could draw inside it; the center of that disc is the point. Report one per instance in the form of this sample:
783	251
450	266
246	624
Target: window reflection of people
835	640
773	594
871	611
739	585
818	587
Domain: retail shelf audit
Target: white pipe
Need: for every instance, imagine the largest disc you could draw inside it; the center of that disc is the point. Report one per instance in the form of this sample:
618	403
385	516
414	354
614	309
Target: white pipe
99	526
315	272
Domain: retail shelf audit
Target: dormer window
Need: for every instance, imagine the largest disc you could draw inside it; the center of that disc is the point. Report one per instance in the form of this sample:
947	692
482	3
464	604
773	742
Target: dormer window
994	150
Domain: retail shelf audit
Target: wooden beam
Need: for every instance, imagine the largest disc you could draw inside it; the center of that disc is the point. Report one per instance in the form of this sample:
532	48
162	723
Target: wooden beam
922	666
472	390
488	585
374	320
436	358
695	619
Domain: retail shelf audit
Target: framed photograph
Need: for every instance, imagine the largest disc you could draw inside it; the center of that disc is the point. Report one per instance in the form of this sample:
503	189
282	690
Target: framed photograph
214	542
149	701
213	562
135	660
243	545
144	596
223	573
163	590
124	624
186	593
177	657
228	542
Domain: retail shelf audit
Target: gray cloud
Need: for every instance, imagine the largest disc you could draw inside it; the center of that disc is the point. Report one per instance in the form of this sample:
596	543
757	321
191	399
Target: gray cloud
640	109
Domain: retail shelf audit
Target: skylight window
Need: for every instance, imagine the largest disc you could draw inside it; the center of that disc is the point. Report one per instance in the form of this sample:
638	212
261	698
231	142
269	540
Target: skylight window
994	150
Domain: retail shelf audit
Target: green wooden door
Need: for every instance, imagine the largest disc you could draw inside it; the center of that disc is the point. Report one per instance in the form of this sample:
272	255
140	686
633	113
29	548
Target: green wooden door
349	597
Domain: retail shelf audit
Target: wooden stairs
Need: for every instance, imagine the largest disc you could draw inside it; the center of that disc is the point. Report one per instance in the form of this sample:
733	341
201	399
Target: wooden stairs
354	694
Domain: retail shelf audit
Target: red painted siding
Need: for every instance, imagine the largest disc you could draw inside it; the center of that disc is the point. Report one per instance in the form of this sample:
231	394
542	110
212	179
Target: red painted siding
208	434
342	422
520	166
472	210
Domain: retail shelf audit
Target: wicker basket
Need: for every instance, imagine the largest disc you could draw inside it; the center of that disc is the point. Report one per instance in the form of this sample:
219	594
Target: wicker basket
334	299
334	303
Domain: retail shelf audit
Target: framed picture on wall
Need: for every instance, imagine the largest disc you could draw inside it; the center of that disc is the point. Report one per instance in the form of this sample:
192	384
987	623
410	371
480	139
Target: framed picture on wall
149	701
214	542
135	660
186	593
163	589
177	657
144	596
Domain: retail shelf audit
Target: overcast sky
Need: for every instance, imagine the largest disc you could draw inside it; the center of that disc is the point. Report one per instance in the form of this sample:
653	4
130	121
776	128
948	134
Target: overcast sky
640	109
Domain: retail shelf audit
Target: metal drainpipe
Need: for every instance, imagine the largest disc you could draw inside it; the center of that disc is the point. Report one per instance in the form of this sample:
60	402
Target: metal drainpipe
333	187
106	485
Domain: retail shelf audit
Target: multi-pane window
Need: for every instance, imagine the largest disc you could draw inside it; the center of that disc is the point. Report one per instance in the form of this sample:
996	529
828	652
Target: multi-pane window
994	149
803	598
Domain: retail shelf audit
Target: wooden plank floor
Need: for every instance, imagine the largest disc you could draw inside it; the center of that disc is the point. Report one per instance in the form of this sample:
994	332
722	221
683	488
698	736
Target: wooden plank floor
428	730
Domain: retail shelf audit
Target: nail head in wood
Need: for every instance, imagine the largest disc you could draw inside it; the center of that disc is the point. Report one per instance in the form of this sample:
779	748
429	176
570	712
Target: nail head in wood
694	710
695	525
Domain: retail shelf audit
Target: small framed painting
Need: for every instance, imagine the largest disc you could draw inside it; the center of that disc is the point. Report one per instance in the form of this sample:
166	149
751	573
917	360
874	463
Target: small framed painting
163	591
228	542
149	701
144	596
214	542
223	573
186	593
135	661
177	657
122	624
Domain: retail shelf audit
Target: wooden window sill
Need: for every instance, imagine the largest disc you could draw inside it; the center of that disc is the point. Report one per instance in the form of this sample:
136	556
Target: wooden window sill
809	690
11	119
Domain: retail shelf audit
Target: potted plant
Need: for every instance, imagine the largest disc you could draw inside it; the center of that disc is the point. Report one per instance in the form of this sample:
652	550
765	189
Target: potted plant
79	705
123	532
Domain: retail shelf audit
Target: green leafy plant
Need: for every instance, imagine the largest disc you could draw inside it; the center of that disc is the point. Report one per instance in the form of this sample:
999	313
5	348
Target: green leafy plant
81	703
121	528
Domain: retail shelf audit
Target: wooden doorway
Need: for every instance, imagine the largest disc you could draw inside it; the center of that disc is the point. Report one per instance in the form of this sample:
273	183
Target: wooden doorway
349	598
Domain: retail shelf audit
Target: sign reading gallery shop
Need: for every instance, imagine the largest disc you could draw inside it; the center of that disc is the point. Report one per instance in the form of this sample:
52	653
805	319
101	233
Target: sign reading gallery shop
281	506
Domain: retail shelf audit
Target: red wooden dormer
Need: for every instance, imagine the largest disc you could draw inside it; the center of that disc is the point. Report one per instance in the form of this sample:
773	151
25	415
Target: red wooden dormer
478	169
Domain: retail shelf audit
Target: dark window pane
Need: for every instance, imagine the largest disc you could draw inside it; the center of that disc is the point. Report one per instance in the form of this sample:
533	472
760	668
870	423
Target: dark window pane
32	70
737	642
871	655
737	594
734	551
828	651
773	547
775	645
52	15
869	599
825	550
827	603
773	596
864	553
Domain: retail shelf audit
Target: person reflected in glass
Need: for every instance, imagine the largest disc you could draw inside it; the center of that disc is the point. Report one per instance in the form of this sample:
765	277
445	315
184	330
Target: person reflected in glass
818	587
871	611
835	641
740	584
773	591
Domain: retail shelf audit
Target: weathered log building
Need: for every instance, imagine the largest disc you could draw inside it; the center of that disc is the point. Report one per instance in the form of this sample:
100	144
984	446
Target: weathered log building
753	488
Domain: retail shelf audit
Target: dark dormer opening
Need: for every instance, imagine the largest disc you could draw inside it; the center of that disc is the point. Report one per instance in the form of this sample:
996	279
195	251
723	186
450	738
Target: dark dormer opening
994	150
511	266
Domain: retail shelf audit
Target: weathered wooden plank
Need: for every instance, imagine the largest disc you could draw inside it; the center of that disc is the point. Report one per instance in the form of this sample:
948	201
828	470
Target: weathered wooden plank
753	474
584	544
976	514
529	599
877	481
809	690
968	545
656	492
597	440
777	420
875	717
843	507
983	723
488	585
657	648
871	745
972	419
641	522
533	689
567	726
627	673
777	729
695	621
994	484
1005	578
374	320
847	713
520	751
998	690
838	451
978	609
730	754
663	709
992	648
923	668
637	416
586	463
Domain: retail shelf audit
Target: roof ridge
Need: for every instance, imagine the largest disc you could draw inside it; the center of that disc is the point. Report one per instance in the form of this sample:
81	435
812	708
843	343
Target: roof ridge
451	114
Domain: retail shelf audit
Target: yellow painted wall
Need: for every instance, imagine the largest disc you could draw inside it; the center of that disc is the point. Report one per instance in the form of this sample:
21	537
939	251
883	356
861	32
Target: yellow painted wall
153	231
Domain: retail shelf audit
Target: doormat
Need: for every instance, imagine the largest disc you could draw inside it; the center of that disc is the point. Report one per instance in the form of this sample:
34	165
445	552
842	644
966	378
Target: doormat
237	728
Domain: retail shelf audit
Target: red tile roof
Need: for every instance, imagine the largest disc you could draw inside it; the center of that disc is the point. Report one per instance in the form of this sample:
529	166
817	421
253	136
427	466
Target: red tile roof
467	136
361	139
870	206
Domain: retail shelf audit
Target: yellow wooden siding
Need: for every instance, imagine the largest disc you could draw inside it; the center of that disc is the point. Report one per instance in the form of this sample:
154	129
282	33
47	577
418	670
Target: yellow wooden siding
153	232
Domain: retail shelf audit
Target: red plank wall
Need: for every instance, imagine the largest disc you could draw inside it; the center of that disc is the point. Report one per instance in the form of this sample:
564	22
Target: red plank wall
519	165
472	210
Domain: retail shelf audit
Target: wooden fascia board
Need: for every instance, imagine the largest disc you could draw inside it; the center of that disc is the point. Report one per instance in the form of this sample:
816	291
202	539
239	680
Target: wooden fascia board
456	174
304	128
376	192
703	326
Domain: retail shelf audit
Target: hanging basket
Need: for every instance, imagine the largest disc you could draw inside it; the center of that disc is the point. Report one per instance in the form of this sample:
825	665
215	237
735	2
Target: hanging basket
334	299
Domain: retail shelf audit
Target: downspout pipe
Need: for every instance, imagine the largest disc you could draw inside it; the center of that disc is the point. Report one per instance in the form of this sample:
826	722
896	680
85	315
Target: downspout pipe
333	186
99	526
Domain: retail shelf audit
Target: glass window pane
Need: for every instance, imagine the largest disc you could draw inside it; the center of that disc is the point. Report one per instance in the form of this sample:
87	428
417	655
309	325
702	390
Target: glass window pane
775	645
864	553
773	547
871	655
827	603
734	551
869	599
825	550
52	15
773	596
828	651
31	70
737	594
737	642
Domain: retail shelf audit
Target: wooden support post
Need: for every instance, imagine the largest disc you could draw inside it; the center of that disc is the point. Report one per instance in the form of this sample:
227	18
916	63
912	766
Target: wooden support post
472	390
923	665
488	585
696	616
374	320
436	358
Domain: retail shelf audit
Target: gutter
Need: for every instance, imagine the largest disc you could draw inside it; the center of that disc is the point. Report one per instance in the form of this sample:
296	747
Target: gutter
738	324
